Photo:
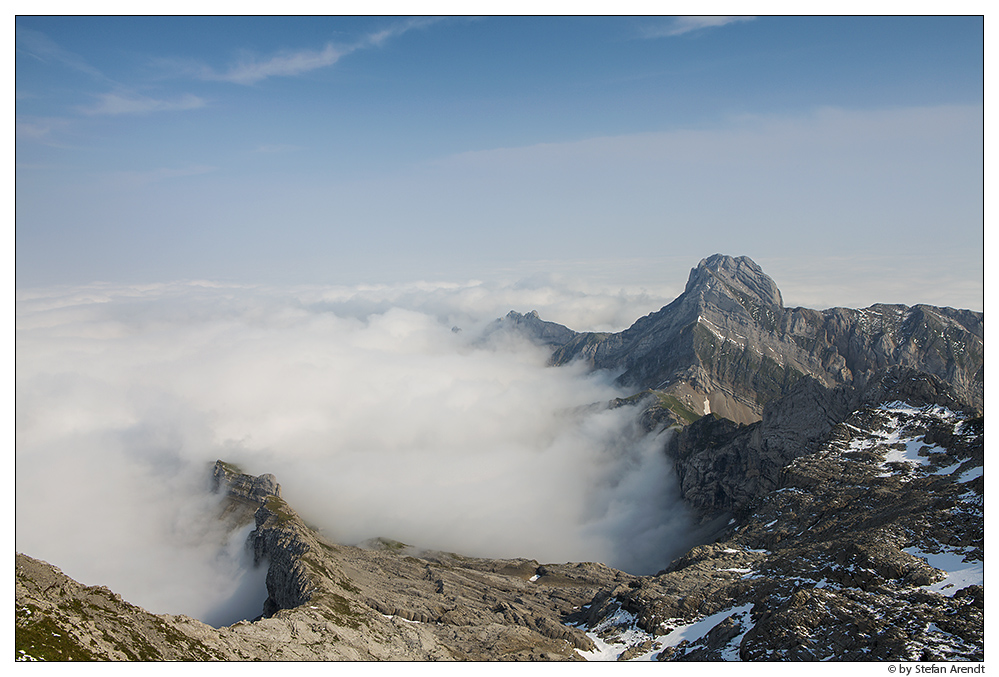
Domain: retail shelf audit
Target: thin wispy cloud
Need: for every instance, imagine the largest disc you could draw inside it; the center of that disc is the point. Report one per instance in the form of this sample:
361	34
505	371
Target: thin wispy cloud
250	70
114	103
130	179
37	128
688	24
378	38
43	48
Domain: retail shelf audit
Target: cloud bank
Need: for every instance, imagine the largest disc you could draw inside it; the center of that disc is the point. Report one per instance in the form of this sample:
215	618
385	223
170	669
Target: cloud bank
377	418
117	103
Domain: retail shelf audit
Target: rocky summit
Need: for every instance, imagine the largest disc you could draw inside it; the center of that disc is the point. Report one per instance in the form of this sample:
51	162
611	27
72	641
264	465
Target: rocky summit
727	345
835	460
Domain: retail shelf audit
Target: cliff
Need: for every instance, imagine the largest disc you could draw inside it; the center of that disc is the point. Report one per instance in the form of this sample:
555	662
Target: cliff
386	601
727	345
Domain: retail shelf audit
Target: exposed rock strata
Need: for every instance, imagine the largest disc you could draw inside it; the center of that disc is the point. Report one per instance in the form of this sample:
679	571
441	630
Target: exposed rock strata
833	564
722	466
727	345
839	495
387	601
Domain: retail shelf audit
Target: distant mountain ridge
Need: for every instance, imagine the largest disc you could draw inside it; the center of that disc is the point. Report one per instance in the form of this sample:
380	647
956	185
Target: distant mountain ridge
727	344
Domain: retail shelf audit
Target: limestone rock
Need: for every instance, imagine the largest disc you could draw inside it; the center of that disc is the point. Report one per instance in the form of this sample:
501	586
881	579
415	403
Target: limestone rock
326	602
722	466
727	345
835	564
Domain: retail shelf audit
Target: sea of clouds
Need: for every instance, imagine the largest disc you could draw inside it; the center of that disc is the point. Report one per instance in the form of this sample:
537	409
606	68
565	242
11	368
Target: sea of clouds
383	411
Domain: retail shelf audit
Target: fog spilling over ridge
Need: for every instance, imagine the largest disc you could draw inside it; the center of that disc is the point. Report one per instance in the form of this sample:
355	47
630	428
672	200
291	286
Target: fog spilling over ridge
383	411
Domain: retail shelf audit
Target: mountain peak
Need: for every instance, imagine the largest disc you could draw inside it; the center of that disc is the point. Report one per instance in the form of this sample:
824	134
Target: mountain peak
740	274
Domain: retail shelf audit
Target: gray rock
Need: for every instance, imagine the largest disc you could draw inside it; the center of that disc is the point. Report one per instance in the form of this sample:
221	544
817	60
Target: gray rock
825	563
729	341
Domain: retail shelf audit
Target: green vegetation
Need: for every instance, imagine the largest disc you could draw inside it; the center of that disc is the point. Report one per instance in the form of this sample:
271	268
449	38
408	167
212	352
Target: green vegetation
39	637
231	468
347	585
389	544
338	610
319	567
676	406
277	506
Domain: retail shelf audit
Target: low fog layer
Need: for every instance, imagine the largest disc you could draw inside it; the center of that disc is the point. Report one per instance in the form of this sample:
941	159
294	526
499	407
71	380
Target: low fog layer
377	417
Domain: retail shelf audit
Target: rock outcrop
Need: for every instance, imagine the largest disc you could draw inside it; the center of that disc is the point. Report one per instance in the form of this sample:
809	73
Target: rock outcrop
870	549
385	601
543	332
723	466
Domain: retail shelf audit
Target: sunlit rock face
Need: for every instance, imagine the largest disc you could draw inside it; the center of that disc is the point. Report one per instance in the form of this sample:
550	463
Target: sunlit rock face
727	345
870	549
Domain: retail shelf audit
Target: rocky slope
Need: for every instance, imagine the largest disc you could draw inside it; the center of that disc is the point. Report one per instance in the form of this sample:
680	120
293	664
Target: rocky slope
388	601
723	466
871	549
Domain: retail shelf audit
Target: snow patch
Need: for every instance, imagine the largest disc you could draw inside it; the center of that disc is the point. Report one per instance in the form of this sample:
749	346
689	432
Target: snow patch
960	573
628	634
971	474
911	453
692	632
899	407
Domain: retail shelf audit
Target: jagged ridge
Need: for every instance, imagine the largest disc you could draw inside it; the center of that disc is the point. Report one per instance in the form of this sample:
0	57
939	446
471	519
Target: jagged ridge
727	345
833	565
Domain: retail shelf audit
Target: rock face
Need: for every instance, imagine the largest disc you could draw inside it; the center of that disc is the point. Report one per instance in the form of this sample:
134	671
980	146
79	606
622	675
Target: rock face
387	601
727	345
242	487
722	466
871	549
531	324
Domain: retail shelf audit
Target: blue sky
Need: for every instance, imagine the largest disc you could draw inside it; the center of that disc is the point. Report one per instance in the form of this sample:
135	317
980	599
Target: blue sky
386	149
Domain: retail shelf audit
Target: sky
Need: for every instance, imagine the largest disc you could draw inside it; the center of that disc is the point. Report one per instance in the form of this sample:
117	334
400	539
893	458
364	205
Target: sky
845	155
283	241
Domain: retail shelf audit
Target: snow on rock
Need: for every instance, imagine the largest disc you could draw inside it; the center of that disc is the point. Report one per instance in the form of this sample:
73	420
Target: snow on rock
691	633
617	637
951	561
